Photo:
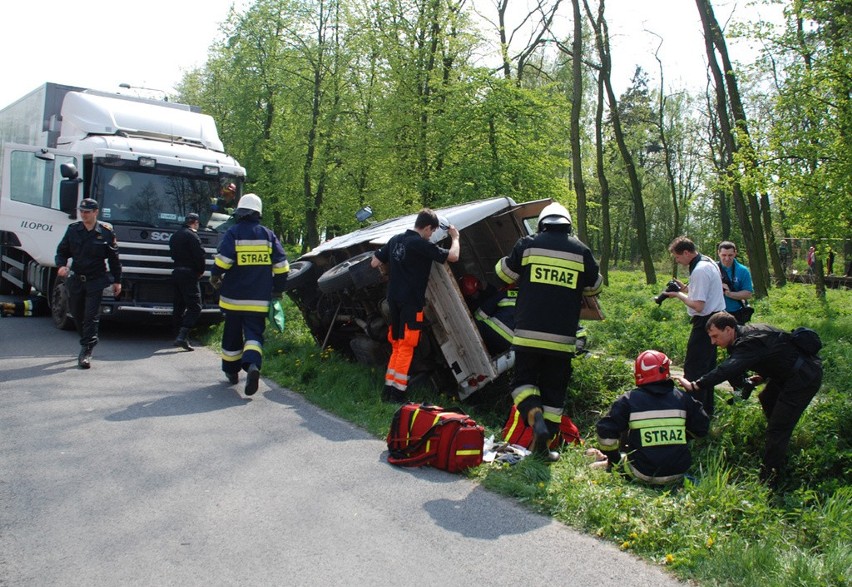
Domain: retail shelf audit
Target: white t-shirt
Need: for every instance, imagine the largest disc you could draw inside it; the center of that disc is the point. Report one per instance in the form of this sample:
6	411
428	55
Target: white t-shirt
705	285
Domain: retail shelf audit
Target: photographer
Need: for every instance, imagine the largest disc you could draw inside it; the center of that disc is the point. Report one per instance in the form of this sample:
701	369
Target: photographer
703	297
736	282
792	377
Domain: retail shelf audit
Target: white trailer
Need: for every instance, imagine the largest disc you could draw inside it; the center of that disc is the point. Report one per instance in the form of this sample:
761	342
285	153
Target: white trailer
147	162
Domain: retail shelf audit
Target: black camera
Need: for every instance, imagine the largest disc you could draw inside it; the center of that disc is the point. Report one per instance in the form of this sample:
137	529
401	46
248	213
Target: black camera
744	392
672	285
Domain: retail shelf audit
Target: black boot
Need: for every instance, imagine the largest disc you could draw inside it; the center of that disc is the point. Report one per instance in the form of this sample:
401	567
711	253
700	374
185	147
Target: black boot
252	379
84	359
541	436
182	340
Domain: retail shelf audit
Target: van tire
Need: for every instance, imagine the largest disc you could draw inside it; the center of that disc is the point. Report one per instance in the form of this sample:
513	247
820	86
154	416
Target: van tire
335	279
301	273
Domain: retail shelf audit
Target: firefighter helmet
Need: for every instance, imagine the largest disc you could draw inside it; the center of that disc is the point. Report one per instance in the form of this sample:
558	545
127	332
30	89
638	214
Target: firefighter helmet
250	203
651	366
554	213
470	285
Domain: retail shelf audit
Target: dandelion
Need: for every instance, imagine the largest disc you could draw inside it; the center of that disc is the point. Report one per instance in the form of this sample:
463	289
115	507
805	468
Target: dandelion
710	542
634	535
625	545
669	559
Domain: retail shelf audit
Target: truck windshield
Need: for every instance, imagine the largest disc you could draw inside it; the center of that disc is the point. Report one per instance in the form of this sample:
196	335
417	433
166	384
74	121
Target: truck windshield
161	199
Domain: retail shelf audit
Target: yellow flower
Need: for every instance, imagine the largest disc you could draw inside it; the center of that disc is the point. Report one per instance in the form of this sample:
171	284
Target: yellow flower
634	535
625	545
669	559
710	542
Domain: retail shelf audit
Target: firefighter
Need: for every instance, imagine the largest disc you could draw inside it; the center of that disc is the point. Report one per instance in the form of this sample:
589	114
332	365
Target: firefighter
91	246
657	420
553	271
410	256
250	267
495	318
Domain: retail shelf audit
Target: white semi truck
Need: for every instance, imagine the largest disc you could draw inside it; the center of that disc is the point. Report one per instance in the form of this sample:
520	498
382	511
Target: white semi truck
148	163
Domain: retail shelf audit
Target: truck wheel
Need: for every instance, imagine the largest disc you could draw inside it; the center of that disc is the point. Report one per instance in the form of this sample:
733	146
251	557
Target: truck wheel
301	273
335	279
60	308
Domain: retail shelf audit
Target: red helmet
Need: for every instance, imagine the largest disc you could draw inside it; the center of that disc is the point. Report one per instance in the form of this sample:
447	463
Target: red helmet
651	366
469	285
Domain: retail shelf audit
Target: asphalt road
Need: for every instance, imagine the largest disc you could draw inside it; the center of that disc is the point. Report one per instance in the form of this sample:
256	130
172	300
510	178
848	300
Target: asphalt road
149	469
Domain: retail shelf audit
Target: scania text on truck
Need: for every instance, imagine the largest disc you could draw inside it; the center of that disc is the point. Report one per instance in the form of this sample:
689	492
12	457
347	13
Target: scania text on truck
148	163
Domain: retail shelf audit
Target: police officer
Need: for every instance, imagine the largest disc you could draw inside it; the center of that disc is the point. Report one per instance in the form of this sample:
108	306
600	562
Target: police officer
91	246
188	254
657	420
250	267
553	271
793	379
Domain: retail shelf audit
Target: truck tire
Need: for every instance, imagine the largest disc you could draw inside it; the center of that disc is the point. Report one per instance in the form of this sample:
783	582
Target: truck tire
335	279
60	308
301	274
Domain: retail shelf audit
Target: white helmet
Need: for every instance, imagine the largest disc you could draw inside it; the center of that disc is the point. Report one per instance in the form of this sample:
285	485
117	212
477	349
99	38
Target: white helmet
554	213
250	202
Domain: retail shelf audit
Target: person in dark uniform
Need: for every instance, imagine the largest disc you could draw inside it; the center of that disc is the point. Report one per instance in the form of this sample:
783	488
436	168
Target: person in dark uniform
553	270
91	246
250	267
410	256
188	254
793	379
645	432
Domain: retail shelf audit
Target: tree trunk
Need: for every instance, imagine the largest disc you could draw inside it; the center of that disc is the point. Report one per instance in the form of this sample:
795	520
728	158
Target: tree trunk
606	232
576	108
602	41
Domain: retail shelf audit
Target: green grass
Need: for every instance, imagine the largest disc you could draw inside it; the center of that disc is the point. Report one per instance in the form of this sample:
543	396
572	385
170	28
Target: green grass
726	528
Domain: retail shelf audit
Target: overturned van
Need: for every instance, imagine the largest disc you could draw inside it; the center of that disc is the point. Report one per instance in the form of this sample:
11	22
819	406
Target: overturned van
342	297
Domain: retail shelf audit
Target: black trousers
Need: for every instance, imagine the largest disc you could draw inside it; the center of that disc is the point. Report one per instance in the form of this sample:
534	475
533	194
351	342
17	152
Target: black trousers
187	298
700	359
549	374
85	301
783	403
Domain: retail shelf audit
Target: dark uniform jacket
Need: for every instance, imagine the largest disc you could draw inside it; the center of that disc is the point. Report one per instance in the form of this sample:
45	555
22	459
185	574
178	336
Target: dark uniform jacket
496	316
410	257
763	349
186	250
254	266
91	251
658	420
553	271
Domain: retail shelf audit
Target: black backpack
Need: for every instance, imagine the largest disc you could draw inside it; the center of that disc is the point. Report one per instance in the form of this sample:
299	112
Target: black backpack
806	340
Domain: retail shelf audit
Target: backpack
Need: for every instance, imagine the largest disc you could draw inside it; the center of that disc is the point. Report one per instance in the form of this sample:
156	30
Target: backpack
422	434
806	340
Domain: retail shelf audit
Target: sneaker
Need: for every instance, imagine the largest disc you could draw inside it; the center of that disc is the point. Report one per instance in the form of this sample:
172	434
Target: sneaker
233	378
252	380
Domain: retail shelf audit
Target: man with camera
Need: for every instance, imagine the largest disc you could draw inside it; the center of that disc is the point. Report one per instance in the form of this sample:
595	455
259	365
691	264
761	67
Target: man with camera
703	297
792	374
736	282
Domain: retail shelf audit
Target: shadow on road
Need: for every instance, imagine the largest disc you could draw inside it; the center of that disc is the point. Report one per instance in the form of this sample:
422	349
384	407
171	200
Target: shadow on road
461	517
197	401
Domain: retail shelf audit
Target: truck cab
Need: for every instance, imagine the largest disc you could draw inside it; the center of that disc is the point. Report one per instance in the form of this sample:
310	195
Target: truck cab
147	163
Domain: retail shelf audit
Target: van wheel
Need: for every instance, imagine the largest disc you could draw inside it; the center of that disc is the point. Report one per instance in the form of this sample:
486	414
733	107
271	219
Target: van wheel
335	279
60	307
363	273
301	273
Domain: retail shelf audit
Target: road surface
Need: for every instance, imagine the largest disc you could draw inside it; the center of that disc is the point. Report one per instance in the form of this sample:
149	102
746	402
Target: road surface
149	469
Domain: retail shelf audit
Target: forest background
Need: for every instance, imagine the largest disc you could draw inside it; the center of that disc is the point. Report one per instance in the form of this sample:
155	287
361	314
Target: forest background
332	106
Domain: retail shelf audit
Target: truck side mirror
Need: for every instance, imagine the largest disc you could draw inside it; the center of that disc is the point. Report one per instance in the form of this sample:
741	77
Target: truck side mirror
364	214
68	192
68	189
